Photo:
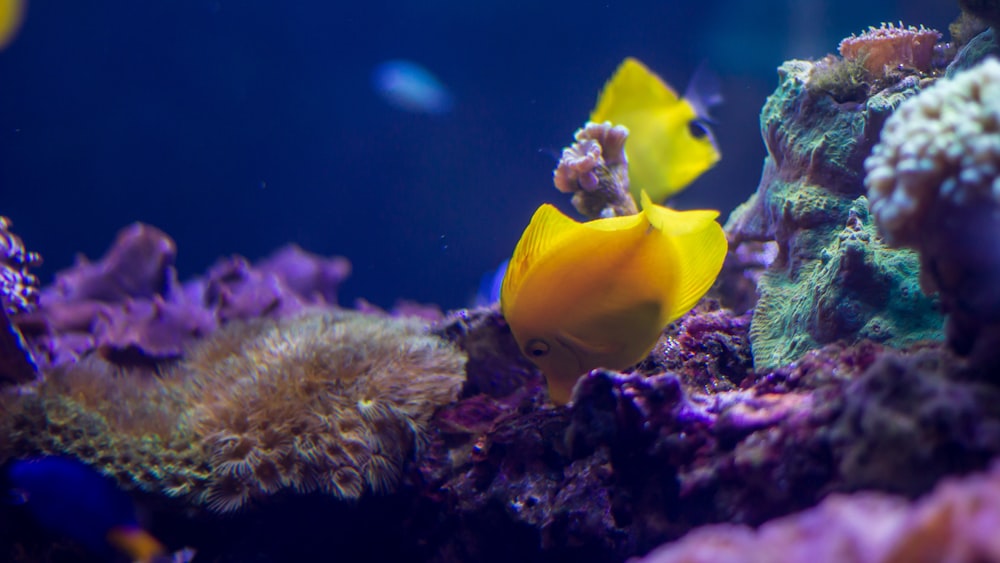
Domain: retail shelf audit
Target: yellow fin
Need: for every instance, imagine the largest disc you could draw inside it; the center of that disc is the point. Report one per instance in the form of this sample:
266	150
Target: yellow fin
701	248
633	87
676	223
547	229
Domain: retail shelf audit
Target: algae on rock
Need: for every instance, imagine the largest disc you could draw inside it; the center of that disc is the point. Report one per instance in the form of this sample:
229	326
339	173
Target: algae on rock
833	279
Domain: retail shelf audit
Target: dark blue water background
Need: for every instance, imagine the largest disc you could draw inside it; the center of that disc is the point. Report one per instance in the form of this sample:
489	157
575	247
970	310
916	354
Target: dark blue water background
239	125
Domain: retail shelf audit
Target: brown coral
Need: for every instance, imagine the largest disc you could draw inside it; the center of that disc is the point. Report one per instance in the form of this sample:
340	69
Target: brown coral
328	402
890	46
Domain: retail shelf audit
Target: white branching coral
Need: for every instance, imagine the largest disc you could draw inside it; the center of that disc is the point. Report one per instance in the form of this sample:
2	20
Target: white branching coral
939	151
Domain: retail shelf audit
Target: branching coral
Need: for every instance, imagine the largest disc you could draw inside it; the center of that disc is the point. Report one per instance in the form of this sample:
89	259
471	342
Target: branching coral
18	287
934	185
595	170
18	294
889	46
328	402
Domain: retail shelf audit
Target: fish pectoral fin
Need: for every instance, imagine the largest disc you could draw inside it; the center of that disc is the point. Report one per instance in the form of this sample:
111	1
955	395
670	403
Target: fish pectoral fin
548	228
633	87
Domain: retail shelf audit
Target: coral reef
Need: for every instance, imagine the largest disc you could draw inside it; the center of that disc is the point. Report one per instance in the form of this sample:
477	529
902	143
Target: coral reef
331	402
251	415
18	294
933	184
595	170
955	523
833	278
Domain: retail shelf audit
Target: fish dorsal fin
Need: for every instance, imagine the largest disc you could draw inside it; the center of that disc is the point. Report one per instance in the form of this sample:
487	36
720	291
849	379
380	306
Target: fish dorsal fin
676	223
701	247
547	230
633	87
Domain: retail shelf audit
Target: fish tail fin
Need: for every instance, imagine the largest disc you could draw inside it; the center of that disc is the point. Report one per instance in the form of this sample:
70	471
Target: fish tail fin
704	92
701	246
135	542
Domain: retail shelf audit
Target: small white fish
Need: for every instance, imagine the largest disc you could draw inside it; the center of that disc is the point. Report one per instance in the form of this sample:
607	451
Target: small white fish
410	87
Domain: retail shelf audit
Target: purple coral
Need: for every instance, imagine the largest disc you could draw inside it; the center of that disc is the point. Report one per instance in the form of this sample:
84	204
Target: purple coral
956	523
130	308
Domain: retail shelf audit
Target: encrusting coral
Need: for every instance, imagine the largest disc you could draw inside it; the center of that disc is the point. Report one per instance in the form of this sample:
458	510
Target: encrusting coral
832	278
934	185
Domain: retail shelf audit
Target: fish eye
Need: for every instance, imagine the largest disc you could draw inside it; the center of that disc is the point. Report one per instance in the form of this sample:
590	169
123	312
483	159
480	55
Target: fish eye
537	348
697	129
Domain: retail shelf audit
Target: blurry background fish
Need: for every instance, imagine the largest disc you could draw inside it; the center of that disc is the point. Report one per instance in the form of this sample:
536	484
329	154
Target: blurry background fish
71	499
237	126
11	16
489	286
408	86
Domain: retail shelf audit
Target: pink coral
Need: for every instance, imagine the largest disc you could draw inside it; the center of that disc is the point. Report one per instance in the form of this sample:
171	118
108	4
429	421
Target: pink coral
890	46
595	170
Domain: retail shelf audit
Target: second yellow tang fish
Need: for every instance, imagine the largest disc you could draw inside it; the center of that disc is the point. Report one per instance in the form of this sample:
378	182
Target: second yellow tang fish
11	16
669	144
579	296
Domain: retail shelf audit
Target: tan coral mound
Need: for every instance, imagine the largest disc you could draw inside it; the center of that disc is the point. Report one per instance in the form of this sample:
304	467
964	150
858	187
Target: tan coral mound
334	403
890	47
957	523
938	151
328	402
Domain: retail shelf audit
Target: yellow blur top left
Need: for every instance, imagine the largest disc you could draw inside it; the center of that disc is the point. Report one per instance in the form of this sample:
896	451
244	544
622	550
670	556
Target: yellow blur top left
11	17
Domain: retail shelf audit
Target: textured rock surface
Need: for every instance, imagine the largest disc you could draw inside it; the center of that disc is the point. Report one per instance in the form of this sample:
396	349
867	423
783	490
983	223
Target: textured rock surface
832	278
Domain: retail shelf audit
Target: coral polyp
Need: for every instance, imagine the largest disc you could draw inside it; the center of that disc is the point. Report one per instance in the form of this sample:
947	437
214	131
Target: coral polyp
890	47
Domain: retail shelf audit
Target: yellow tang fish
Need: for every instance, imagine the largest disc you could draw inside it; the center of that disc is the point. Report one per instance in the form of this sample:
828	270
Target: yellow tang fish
11	15
668	144
579	296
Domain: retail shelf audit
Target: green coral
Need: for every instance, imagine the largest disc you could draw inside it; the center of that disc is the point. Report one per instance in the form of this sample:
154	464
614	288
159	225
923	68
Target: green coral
859	287
132	432
833	278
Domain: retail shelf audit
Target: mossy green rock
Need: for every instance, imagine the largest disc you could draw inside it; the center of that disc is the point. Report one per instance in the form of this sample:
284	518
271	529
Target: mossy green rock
833	278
